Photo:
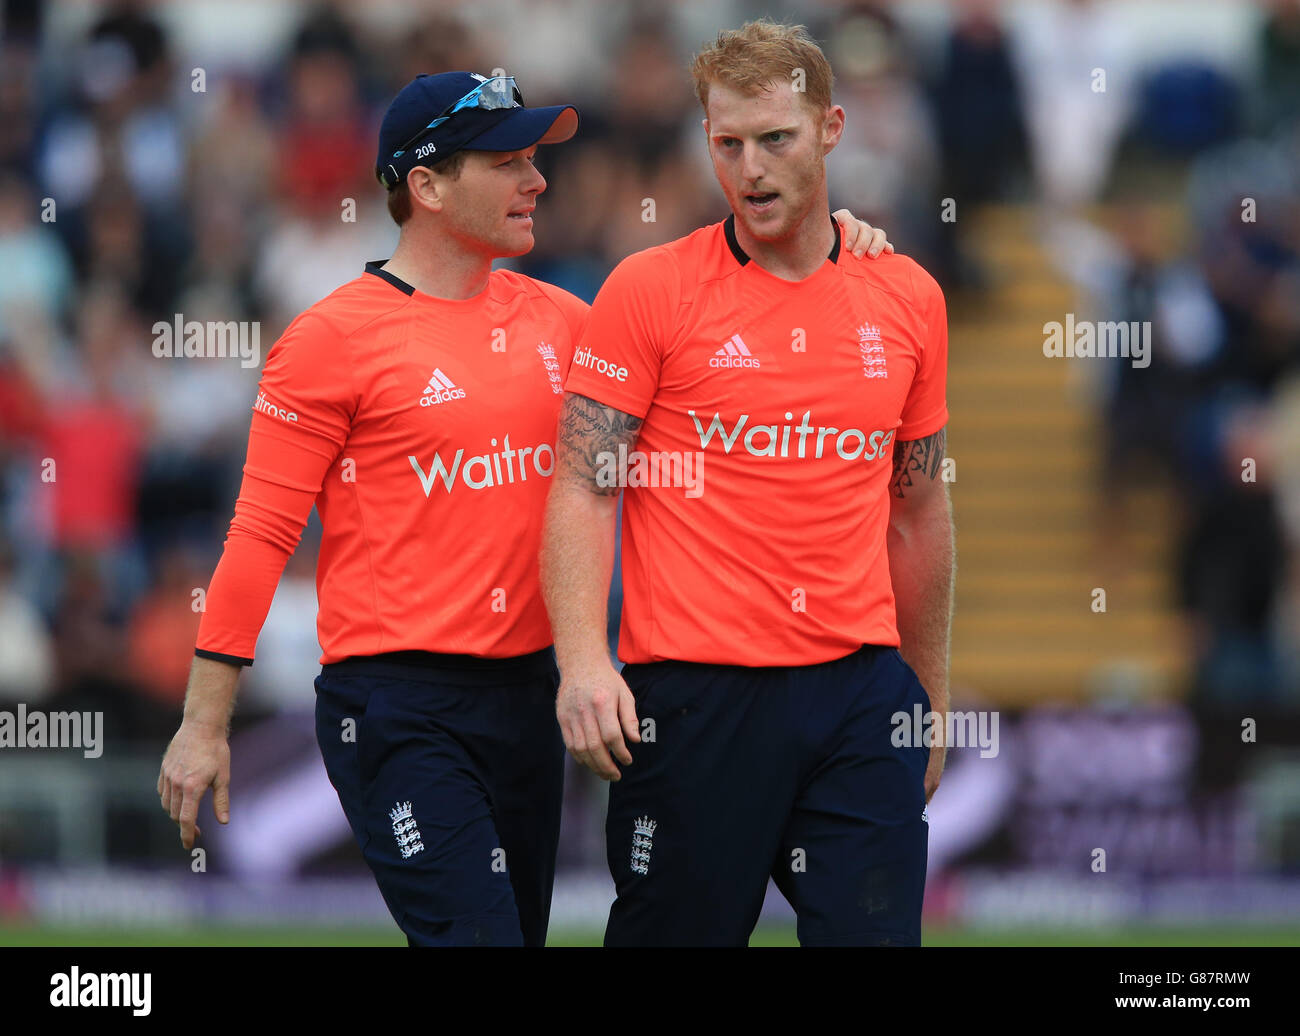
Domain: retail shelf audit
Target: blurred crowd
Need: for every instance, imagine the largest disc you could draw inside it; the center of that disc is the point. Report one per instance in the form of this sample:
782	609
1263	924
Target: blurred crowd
139	181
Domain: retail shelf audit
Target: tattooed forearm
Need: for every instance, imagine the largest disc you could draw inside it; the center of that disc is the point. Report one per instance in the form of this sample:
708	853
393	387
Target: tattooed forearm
917	458
589	435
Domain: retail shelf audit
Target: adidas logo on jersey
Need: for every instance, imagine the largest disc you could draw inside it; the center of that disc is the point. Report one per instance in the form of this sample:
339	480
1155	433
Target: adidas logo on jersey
440	390
734	353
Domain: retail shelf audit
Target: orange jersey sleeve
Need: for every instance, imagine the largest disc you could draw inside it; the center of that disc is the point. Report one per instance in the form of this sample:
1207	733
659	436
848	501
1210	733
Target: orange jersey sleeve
926	409
301	419
621	352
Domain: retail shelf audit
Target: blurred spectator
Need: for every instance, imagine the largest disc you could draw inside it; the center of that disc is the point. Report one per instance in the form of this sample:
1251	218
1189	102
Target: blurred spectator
20	406
20	39
324	143
18	105
1148	408
1285	447
1232	561
38	276
325	160
119	123
1245	201
92	659
629	181
94	430
981	130
163	626
1075	67
886	166
1186	105
219	277
90	647
27	661
233	154
554	46
652	109
436	43
979	109
1279	79
1147	405
288	651
200	405
119	244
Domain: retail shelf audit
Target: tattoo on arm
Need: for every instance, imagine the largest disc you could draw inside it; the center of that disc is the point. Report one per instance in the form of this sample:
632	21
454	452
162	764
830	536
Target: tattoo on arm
591	432
917	458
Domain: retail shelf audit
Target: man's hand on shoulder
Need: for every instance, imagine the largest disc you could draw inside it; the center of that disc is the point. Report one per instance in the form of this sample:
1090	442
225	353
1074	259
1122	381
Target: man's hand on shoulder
861	238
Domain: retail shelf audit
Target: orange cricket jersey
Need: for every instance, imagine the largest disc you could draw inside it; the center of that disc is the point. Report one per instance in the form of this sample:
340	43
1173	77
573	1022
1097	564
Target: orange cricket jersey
423	431
757	501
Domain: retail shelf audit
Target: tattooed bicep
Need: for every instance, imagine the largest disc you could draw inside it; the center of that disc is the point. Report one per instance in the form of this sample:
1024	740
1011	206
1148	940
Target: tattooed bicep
590	434
917	459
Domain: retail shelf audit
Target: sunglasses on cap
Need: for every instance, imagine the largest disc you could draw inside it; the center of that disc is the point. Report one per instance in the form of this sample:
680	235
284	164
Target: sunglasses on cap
492	94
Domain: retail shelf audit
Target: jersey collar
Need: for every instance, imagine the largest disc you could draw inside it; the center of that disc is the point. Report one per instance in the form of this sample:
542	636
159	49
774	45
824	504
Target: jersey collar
376	267
729	229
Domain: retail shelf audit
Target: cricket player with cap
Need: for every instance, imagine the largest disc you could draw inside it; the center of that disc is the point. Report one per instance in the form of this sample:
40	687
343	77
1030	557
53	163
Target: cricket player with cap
779	612
415	407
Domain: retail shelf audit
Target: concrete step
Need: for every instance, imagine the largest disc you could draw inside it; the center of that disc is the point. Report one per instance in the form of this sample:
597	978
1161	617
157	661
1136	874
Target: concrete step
1024	553
967	412
1065	464
1144	504
1023	680
1073	618
1028	450
1039	374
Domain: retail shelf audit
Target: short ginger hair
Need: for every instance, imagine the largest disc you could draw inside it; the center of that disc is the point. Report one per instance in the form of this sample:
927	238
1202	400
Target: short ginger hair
749	58
400	205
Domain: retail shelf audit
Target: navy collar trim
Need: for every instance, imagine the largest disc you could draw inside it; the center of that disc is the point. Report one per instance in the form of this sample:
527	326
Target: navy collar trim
376	267
729	230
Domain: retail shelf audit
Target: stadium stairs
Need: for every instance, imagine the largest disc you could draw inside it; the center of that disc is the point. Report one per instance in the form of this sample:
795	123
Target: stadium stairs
1032	539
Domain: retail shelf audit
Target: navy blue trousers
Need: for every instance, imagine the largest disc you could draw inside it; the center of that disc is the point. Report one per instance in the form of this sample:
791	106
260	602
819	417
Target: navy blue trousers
788	772
450	770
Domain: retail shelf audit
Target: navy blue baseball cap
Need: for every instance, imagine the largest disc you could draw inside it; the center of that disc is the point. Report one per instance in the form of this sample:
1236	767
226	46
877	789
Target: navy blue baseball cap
437	115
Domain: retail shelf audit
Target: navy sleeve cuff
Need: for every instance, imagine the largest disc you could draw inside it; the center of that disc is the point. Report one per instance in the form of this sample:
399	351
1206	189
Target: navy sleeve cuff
217	656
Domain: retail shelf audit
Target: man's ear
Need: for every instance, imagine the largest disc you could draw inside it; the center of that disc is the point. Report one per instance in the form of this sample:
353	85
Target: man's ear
832	128
705	123
426	189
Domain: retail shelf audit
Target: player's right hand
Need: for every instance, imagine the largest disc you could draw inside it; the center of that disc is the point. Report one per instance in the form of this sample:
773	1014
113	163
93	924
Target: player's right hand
596	711
196	760
934	771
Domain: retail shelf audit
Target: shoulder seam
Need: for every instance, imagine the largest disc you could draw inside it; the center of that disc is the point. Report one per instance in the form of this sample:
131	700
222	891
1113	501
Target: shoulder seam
921	312
925	324
888	289
320	311
541	288
347	336
683	298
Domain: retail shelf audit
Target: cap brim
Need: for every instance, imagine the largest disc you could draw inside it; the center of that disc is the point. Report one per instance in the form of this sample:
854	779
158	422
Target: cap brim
526	127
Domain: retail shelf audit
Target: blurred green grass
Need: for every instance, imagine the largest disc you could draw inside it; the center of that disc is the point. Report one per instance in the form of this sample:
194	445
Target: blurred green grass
765	935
